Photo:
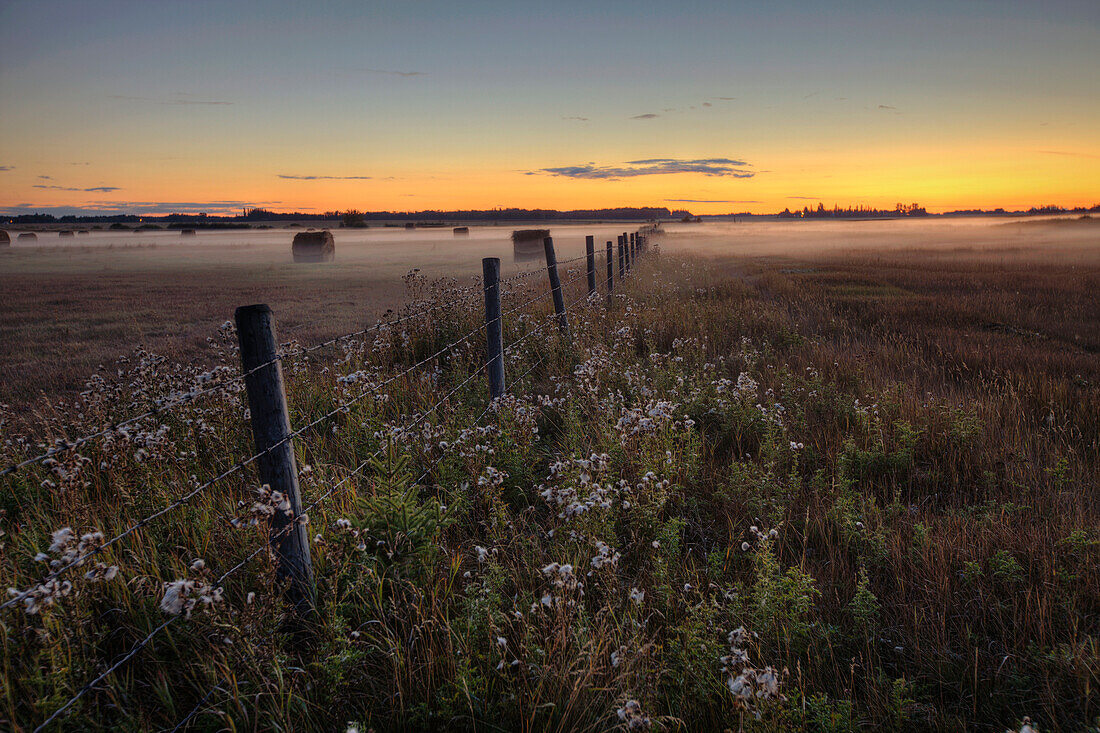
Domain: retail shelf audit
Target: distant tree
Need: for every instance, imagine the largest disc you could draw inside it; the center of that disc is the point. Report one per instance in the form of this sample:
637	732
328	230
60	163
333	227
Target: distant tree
353	218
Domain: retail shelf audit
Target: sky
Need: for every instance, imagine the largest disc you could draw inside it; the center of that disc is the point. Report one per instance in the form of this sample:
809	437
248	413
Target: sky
151	106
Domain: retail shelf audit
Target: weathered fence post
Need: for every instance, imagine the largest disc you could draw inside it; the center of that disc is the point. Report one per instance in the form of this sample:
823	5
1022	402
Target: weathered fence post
590	255
622	261
633	244
494	328
555	285
610	273
271	430
626	250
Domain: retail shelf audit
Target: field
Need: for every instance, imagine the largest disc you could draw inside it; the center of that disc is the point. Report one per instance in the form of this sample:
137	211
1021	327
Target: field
795	476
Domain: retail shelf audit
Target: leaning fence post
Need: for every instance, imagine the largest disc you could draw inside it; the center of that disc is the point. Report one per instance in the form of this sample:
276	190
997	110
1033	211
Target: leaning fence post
622	261
610	273
271	430
590	254
494	328
555	284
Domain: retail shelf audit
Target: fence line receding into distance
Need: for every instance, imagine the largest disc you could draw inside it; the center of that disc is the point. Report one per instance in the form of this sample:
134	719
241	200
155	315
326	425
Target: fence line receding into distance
262	378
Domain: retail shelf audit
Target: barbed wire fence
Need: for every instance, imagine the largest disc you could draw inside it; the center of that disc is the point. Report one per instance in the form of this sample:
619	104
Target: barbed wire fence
261	377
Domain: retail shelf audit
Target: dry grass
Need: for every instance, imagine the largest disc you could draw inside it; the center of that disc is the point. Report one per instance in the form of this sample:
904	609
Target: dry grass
919	427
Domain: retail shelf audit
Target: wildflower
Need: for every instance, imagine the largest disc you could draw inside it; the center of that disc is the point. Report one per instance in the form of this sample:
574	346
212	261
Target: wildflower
745	546
62	538
637	596
632	716
101	573
184	595
175	596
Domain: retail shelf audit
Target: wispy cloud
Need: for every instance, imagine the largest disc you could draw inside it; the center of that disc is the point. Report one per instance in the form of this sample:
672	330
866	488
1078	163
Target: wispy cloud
100	189
179	98
712	201
654	167
290	177
4	168
888	108
46	178
805	198
578	119
1068	152
144	207
389	72
646	116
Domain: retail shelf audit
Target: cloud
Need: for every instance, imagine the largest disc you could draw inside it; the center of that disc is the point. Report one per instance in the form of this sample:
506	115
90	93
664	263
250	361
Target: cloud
654	167
100	189
390	72
46	178
805	198
888	108
6	168
180	98
1068	152
646	116
707	104
94	208
578	119
290	177
712	201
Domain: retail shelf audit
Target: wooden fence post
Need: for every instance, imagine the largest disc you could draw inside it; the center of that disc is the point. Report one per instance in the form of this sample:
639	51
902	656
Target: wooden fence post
610	272
622	261
494	328
277	467
590	254
633	244
626	250
555	285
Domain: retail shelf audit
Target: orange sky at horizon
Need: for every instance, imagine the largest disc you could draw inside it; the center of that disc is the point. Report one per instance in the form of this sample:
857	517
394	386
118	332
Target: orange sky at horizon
153	108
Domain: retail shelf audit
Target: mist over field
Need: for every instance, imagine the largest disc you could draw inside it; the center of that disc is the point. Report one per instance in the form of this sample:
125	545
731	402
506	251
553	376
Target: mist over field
75	303
790	475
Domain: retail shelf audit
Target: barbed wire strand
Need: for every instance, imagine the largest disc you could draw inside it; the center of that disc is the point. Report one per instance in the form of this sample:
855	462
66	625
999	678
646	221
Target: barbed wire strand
79	560
220	581
194	394
362	465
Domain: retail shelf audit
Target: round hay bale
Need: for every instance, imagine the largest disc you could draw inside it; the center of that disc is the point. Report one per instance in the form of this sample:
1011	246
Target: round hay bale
27	235
461	231
5	240
187	232
527	243
313	247
65	233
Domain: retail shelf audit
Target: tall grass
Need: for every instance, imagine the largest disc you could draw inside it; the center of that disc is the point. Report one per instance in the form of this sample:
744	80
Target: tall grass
756	504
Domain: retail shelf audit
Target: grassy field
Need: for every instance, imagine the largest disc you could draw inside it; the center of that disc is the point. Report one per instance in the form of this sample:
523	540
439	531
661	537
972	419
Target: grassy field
801	488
